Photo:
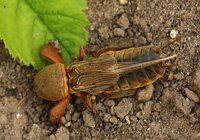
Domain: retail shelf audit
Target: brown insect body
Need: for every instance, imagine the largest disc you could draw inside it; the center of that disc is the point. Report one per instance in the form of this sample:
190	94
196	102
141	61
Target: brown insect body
99	76
113	73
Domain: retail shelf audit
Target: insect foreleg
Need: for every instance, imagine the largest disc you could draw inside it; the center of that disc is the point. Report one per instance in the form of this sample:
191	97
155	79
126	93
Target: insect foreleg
50	52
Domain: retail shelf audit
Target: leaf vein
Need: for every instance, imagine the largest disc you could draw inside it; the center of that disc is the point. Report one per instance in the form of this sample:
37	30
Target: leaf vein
46	25
63	15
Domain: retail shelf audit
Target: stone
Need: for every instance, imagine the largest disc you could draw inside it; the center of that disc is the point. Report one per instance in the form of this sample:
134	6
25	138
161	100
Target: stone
167	95
75	116
36	133
62	134
109	103
142	40
118	32
145	94
134	119
170	76
149	37
104	32
68	116
192	96
147	109
88	119
173	33
123	2
106	117
185	105
127	119
123	22
3	119
123	108
113	120
197	78
157	107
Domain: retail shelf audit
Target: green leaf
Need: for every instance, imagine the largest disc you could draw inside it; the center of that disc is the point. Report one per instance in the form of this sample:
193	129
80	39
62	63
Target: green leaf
26	25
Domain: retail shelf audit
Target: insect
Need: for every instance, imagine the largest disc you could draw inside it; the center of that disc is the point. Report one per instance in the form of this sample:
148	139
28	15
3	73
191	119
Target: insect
112	72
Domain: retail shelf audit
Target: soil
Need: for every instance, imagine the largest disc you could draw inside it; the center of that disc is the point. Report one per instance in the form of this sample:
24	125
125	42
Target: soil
168	109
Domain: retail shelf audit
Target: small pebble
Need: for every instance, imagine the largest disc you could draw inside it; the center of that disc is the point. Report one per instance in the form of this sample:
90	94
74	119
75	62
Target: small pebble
103	32
145	94
134	119
139	126
112	111
157	107
120	124
155	126
68	116
18	68
179	76
3	119
193	118
99	106
130	32
88	119
198	111
152	5
144	25
123	22
138	34
93	98
167	95
109	103
2	91
140	115
170	76
168	23
62	134
36	132
127	120
106	117
52	137
123	108
149	37
197	78
113	120
173	33
18	116
63	120
142	40
123	2
141	106
185	105
118	32
192	96
198	135
68	124
198	8
75	116
147	109
70	108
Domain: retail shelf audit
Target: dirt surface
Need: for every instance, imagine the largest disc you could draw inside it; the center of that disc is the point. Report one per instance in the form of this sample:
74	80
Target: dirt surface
168	109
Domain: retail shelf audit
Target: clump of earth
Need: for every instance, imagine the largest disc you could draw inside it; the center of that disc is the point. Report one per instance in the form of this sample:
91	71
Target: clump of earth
168	109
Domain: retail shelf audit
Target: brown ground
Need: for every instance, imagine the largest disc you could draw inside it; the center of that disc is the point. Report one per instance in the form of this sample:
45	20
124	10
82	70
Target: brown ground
169	114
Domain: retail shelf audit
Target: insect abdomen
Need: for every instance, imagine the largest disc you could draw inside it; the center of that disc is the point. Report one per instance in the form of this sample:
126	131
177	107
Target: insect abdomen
141	77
